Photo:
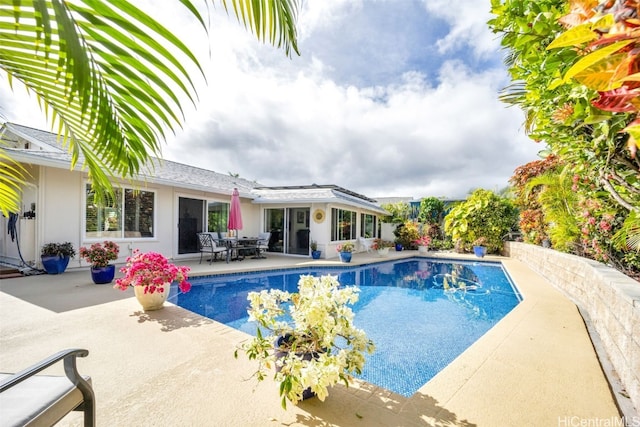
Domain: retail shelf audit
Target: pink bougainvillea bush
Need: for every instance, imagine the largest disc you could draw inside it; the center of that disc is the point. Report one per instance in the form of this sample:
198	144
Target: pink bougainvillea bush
153	271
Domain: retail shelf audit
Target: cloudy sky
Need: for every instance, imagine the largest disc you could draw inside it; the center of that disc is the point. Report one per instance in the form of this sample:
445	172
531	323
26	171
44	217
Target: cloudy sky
388	98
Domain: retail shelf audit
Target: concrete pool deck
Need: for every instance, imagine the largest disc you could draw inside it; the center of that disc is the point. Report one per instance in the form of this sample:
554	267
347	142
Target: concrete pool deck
536	367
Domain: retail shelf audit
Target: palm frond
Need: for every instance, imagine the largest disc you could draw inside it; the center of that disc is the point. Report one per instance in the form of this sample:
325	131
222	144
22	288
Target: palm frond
628	236
270	20
102	74
12	175
112	79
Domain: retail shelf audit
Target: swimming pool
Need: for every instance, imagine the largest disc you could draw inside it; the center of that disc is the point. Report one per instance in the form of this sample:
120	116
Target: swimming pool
421	313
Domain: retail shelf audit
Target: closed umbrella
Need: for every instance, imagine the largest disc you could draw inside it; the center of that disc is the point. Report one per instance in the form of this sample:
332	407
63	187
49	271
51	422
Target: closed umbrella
235	214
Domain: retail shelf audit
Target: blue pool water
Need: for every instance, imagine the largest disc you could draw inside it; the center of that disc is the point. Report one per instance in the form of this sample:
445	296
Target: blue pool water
421	314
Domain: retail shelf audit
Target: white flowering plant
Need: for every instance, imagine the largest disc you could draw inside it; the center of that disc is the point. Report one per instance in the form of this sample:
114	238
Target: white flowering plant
307	336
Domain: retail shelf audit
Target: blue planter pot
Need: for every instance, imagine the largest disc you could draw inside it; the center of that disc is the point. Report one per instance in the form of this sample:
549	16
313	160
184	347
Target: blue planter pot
316	254
345	256
55	264
399	247
480	251
103	275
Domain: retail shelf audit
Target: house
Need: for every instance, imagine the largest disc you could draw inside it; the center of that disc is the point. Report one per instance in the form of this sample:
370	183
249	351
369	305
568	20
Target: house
164	208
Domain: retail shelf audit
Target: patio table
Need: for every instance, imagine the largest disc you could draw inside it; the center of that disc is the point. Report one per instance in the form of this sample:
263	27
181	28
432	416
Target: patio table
240	246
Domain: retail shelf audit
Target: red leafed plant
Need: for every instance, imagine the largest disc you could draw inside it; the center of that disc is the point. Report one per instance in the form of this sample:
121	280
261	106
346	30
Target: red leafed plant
611	64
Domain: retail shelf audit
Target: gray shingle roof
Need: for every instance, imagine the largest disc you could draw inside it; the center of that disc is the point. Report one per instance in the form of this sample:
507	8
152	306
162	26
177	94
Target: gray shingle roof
181	175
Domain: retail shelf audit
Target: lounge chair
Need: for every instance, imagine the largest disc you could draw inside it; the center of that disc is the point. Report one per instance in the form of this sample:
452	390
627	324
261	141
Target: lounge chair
207	245
27	399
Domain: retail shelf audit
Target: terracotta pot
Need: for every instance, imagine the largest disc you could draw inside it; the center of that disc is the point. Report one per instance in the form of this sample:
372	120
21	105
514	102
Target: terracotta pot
152	301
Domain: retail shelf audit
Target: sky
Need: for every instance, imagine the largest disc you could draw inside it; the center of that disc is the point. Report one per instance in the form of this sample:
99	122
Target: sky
388	98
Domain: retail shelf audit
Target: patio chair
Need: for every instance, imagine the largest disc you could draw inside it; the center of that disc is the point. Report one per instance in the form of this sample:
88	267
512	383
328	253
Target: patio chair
207	245
365	243
27	399
263	244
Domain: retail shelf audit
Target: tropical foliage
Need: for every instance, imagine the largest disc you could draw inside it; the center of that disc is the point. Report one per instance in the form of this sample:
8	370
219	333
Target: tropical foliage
110	78
407	233
431	210
65	249
574	67
398	212
533	224
483	214
560	206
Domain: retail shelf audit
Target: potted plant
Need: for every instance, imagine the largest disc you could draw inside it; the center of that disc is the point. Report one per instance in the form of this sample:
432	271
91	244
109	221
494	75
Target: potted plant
99	255
405	234
423	243
310	338
315	253
382	246
55	256
345	251
151	274
479	248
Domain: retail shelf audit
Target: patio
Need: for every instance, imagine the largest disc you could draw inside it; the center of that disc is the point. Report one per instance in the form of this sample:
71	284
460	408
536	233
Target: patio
175	368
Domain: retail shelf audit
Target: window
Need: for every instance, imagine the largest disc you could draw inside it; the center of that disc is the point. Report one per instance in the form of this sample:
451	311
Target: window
369	225
343	224
129	214
218	217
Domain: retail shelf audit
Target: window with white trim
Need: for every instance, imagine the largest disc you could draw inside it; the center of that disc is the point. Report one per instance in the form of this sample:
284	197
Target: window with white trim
368	225
129	214
343	224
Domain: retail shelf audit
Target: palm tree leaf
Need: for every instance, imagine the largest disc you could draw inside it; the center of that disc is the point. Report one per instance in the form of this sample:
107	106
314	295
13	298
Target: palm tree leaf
12	175
110	78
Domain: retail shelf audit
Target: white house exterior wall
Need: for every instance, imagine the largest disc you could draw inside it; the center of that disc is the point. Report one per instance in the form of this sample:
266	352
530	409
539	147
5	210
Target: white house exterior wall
60	211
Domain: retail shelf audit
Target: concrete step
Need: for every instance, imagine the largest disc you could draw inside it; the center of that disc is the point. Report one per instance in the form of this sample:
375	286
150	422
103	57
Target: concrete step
9	272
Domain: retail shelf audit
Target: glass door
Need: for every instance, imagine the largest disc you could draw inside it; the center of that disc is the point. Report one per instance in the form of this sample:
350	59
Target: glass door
190	222
289	230
274	223
298	231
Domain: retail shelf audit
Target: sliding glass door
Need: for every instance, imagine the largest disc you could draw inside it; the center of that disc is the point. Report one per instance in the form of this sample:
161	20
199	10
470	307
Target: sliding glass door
190	222
289	230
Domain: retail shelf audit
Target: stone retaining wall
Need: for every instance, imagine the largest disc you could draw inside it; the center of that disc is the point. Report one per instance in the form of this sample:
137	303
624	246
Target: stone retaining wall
611	299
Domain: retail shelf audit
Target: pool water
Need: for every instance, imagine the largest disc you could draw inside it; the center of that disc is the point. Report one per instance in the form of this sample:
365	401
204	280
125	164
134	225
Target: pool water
421	314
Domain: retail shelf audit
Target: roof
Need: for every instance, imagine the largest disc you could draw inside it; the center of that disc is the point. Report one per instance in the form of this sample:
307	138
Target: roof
46	149
50	152
314	194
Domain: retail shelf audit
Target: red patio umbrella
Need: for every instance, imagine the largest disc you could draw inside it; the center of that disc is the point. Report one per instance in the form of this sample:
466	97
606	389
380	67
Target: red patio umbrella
235	214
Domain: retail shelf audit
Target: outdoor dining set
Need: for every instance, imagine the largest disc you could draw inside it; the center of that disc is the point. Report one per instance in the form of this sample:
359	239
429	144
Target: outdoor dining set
234	248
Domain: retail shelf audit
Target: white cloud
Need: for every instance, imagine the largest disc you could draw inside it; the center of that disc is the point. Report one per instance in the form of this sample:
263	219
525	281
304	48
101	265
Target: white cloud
380	117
